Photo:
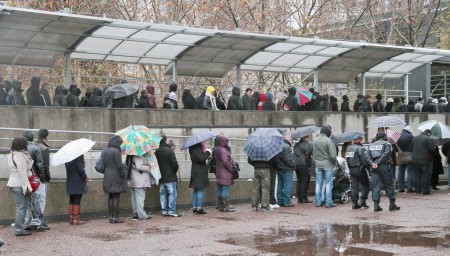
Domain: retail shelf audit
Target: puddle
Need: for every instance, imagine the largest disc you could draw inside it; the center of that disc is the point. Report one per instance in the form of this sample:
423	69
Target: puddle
105	237
332	239
150	231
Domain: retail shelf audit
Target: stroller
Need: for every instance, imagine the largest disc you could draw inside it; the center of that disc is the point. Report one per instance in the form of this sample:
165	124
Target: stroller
341	182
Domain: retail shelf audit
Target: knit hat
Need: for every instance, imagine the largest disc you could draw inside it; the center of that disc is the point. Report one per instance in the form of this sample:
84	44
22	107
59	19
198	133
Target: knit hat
269	96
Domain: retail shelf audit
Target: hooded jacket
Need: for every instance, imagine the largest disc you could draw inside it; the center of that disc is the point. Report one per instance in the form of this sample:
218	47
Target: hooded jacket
209	101
34	97
324	149
15	94
168	164
151	96
115	179
199	100
345	107
72	98
423	148
285	160
224	170
59	100
96	98
268	104
188	100
235	102
291	103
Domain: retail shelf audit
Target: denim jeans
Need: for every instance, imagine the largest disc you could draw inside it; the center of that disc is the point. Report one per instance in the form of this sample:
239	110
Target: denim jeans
21	208
39	198
284	186
401	176
137	202
222	190
197	198
168	191
324	178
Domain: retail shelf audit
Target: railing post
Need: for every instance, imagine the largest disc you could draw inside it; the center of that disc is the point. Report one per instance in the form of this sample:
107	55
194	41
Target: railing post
363	77
68	69
406	87
238	75
316	80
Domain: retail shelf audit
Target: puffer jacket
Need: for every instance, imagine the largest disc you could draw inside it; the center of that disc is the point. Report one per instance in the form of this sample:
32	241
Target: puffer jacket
235	102
140	173
303	154
285	159
423	148
115	180
19	172
224	170
36	154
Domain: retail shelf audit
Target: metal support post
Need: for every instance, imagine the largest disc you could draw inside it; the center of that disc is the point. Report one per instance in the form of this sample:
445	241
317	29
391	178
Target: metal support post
363	78
68	70
238	75
406	87
316	80
9	70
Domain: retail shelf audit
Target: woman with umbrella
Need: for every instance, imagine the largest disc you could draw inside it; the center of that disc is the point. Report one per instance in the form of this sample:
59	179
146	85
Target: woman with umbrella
199	175
76	184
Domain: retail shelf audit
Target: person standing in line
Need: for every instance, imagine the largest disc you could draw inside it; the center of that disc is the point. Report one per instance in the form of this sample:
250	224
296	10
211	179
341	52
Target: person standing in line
72	98
42	144
345	107
187	99
115	180
170	99
380	158
224	173
358	163
209	101
138	176
20	164
423	148
199	100
358	103
436	169
285	166
404	143
324	155
419	105
235	102
268	104
76	185
199	175
168	165
34	97
143	100
261	185
151	96
246	99
303	159
45	89
378	105
291	102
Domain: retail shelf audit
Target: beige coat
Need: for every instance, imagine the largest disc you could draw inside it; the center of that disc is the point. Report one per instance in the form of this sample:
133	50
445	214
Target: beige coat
140	173
18	176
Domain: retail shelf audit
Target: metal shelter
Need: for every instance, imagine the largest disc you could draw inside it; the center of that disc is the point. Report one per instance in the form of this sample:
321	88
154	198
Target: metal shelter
38	38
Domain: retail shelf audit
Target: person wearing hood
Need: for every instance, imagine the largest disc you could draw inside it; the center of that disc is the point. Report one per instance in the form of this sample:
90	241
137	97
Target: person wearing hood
389	104
442	104
303	160
255	100
404	143
419	105
199	175
378	105
143	100
187	99
345	107
15	94
291	102
170	99
224	172
199	100
358	102
45	89
398	105
96	98
235	102
333	104
138	175
151	96
209	101
285	166
34	97
72	98
324	155
60	100
115	179
262	98
430	107
268	104
4	90
86	100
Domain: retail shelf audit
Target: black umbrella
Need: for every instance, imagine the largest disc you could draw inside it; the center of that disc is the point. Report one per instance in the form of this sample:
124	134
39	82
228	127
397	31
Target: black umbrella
304	131
346	136
122	90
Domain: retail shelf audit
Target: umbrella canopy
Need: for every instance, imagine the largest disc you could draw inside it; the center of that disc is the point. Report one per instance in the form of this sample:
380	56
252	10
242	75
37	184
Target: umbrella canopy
386	121
138	140
346	136
303	95
122	90
199	137
392	136
304	131
72	150
438	129
263	144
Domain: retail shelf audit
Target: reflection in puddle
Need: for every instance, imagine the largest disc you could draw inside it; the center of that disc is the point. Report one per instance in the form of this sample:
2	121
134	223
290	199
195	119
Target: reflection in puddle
332	239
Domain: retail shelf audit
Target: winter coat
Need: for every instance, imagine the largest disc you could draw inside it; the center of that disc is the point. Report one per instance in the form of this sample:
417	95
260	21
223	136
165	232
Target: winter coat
423	148
76	177
46	97
72	100
388	107
119	103
365	106
324	152
170	101
291	103
410	107
34	97
224	170
446	151
151	96
303	154
246	102
45	152
397	107
333	104
234	102
378	106
437	162
269	105
345	106
168	164
143	102
38	165
209	101
357	104
140	173
262	98
405	140
189	102
16	98
59	99
19	170
96	98
442	107
259	164
285	160
199	101
115	180
199	170
429	108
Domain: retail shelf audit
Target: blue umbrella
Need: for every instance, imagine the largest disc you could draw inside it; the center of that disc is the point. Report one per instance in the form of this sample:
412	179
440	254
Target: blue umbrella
304	131
199	137
263	144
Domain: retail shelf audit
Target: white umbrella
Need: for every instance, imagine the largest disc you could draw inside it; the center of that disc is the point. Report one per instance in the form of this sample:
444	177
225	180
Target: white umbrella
72	150
438	129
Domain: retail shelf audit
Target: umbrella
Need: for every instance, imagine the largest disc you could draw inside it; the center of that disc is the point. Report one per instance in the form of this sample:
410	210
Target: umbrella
346	136
138	140
122	90
304	131
392	136
263	144
303	95
438	129
72	150
199	137
386	121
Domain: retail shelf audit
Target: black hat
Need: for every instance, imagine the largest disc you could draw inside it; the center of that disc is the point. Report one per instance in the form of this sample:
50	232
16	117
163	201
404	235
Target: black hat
326	130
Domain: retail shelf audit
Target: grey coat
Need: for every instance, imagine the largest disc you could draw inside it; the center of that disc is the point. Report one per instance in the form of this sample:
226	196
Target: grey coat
115	180
199	170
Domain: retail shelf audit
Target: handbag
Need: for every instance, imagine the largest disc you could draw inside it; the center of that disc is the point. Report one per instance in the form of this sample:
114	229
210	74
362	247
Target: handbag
100	165
403	157
236	170
33	179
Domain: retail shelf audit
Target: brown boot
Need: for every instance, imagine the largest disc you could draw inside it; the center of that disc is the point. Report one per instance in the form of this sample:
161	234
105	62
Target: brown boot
71	213
76	216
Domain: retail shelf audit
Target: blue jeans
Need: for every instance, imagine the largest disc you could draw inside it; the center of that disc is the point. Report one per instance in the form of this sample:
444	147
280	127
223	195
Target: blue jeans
21	208
197	198
401	176
324	178
284	186
222	190
168	190
40	199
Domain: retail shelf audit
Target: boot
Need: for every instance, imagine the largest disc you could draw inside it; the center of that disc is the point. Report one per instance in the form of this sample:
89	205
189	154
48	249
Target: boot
363	204
110	210
76	216
115	211
220	204
355	205
393	206
71	213
225	206
377	207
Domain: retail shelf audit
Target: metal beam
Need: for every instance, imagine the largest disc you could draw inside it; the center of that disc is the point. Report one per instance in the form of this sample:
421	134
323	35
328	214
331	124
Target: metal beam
68	69
406	88
363	78
316	80
238	75
174	72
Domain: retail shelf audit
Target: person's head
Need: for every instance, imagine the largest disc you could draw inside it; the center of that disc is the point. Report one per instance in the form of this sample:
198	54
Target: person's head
390	100
144	93
35	82
163	140
72	87
381	129
210	90
8	85
420	99
367	97
306	138
379	97
28	135
173	87
172	144
381	136
236	91
434	101
396	100
19	144
326	130
124	81
186	92
292	91
17	86
430	99
76	92
408	128
345	98
43	134
269	96
249	92
311	90
45	87
427	132
358	138
360	96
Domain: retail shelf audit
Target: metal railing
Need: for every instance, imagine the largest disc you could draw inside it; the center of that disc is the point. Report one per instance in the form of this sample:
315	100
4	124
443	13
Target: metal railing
395	93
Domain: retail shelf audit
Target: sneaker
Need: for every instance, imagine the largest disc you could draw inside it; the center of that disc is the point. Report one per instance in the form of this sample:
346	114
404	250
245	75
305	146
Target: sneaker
274	206
288	205
174	214
23	233
267	209
331	206
401	191
135	217
165	214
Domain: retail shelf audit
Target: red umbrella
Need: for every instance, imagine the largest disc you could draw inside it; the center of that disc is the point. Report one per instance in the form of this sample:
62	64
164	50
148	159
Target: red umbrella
303	95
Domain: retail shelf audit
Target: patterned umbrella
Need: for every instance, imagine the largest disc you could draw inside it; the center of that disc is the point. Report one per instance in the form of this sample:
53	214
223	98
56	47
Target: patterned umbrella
138	140
392	136
438	129
386	121
263	144
303	95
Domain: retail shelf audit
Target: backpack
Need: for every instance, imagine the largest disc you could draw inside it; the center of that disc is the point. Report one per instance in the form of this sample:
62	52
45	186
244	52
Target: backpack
100	165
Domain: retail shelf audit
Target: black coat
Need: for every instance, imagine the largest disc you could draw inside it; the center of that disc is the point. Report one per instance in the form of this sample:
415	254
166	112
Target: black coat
76	177
34	97
345	106
378	106
45	152
285	159
199	101
246	102
143	102
235	102
405	141
423	149
96	98
189	102
269	105
115	180
72	101
46	97
446	151
303	154
3	94
168	164
199	170
292	103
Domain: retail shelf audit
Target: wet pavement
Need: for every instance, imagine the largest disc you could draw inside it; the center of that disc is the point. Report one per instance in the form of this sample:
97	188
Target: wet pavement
421	227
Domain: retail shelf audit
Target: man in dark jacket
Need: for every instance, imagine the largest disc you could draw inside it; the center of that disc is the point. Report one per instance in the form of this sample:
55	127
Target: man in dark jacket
168	165
235	102
303	159
429	107
378	105
45	89
404	143
151	96
344	105
143	100
170	100
42	144
72	98
34	97
5	87
247	99
285	166
59	99
199	100
96	98
423	148
268	104
15	95
358	102
291	102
